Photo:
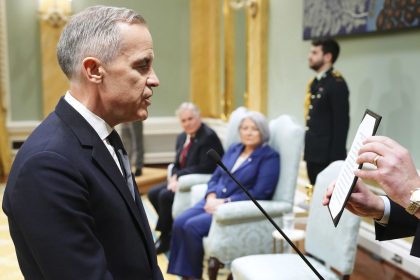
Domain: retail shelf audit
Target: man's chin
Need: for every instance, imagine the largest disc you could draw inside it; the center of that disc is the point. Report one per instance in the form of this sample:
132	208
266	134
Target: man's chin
143	115
314	67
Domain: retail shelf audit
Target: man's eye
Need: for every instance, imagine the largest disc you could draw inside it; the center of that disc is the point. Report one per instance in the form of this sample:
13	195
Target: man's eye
143	66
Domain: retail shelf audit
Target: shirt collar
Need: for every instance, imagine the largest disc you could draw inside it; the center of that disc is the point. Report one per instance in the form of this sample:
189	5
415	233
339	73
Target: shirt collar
322	74
97	123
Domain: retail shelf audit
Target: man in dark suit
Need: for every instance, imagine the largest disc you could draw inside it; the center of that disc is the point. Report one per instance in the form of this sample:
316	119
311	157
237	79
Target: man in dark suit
191	148
397	214
326	110
72	207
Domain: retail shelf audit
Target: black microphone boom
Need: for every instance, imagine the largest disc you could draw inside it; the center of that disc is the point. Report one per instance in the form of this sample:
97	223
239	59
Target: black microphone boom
216	157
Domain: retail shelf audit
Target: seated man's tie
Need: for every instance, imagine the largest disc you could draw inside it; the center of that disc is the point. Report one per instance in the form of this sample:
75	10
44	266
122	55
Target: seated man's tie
184	153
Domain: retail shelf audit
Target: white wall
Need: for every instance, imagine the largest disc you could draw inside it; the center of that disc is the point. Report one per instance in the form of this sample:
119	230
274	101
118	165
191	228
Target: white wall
382	71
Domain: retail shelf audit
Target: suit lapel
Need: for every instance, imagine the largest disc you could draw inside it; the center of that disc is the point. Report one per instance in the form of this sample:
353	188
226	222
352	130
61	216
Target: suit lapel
244	164
101	155
103	158
89	138
235	155
252	157
180	146
195	144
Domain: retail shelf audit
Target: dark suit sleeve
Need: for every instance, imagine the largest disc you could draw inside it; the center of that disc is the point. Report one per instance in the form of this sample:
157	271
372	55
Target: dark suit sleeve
339	104
50	192
400	225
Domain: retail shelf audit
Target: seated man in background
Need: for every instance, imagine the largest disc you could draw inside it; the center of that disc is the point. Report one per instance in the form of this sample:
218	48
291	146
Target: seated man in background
255	164
191	148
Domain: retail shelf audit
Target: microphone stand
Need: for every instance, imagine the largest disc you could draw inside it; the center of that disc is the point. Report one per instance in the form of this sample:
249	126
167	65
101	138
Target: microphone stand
212	153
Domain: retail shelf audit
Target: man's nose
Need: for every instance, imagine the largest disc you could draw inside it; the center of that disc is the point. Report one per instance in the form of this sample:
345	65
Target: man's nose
153	80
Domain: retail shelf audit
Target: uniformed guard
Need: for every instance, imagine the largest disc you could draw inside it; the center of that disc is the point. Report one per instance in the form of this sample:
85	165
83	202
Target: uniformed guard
326	110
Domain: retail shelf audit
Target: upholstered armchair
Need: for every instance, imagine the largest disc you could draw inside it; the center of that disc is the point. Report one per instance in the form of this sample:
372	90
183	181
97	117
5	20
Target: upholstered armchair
336	247
239	228
184	197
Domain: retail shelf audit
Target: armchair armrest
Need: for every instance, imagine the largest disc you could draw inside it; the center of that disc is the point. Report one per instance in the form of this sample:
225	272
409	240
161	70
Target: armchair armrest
187	181
183	196
245	211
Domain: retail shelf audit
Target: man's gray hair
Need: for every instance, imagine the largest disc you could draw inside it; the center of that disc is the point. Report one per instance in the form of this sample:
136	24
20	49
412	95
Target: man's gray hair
187	106
261	123
93	32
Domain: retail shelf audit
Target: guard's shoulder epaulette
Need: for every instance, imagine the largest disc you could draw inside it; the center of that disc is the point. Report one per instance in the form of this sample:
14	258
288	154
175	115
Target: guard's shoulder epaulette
310	81
337	75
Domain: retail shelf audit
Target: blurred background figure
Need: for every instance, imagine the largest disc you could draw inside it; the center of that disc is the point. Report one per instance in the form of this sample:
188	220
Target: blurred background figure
132	137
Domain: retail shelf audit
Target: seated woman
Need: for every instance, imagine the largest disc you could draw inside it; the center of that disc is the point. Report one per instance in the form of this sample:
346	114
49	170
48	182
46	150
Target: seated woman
255	164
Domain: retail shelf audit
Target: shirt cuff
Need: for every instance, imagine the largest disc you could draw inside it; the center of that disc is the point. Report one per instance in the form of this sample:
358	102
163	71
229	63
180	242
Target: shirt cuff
387	211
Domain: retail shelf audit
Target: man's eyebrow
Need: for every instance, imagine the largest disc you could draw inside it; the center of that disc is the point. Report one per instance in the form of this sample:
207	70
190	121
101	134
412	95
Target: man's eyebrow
144	60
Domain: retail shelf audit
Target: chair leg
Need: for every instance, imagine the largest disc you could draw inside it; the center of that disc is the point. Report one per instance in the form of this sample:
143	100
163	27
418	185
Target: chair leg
213	267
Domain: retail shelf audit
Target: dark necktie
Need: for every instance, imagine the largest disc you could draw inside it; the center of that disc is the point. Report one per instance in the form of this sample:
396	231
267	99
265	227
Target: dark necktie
184	152
115	140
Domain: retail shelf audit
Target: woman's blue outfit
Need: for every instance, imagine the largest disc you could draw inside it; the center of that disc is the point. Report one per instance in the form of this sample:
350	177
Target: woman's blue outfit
259	174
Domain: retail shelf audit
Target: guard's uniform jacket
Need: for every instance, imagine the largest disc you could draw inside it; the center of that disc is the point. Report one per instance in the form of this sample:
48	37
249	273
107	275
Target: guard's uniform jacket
327	118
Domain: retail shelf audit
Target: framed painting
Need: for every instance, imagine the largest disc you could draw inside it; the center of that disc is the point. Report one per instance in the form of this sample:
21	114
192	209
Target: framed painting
331	18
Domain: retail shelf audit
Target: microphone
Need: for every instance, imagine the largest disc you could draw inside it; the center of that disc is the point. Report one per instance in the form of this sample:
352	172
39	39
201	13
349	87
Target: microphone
216	157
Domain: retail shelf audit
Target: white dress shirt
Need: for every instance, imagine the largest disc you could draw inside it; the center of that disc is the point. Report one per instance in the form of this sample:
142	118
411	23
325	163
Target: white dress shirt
97	123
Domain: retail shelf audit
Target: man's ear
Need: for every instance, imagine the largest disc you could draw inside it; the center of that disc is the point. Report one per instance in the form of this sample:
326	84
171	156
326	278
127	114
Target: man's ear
93	70
328	57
